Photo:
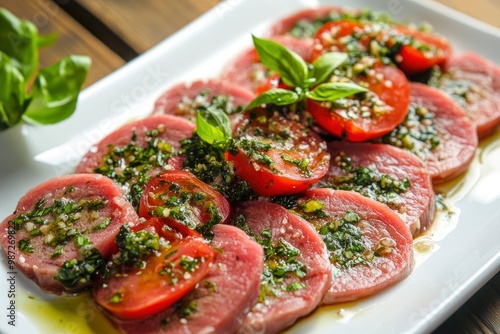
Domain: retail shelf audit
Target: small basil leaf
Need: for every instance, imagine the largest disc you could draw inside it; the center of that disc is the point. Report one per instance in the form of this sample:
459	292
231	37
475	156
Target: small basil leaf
210	132
47	40
278	96
324	66
218	118
332	91
289	65
56	90
19	41
12	93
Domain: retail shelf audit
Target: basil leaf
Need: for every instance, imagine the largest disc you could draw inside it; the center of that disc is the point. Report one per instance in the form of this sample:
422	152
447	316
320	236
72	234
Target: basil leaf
332	91
12	93
19	41
324	66
56	90
276	96
210	131
289	65
217	117
47	40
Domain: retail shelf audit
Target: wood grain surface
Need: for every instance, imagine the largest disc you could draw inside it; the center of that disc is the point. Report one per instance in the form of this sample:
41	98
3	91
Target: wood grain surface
130	27
73	38
144	23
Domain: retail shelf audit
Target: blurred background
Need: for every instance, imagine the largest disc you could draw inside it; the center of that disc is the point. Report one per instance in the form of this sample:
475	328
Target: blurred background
113	32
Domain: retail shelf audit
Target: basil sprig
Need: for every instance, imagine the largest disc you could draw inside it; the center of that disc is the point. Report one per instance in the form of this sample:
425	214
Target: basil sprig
295	72
54	93
213	126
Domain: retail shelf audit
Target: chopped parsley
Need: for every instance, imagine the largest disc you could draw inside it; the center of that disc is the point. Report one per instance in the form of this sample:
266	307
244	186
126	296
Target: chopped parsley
417	133
135	247
342	236
281	263
25	246
130	166
367	181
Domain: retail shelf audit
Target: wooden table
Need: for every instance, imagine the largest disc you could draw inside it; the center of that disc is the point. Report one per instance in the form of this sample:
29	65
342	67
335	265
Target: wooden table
113	32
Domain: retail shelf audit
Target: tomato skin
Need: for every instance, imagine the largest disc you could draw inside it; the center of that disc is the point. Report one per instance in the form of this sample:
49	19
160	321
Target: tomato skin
342	28
397	99
408	58
162	281
416	61
283	178
274	81
159	190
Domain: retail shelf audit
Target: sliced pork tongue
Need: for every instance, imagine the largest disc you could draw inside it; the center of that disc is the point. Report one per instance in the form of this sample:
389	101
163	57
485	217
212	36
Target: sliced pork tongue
137	151
222	299
369	245
438	131
296	270
52	221
379	171
183	99
474	82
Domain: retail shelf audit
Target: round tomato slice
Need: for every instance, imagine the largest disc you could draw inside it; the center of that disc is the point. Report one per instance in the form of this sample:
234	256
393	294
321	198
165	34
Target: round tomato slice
276	155
166	276
367	115
340	36
274	81
425	51
180	195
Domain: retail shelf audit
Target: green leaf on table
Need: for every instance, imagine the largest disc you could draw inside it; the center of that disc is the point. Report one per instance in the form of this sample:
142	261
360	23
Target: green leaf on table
12	93
56	89
278	96
19	41
213	125
324	65
289	65
47	40
332	91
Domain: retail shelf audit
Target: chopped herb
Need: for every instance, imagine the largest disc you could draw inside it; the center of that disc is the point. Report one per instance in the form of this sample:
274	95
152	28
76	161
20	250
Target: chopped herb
116	298
369	182
57	252
135	247
296	286
281	262
417	133
207	163
102	225
189	264
75	272
130	165
188	309
211	286
25	246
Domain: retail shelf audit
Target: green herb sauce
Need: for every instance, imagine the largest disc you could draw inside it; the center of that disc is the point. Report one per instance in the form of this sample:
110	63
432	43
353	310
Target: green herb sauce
130	166
369	182
417	133
281	263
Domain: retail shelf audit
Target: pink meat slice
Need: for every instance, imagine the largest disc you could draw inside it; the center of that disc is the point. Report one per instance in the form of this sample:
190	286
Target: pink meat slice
172	129
183	99
284	25
415	205
277	313
480	78
457	134
379	226
223	297
39	265
245	70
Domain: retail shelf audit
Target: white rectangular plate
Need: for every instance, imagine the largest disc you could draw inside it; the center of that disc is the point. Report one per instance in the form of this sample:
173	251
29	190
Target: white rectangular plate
464	248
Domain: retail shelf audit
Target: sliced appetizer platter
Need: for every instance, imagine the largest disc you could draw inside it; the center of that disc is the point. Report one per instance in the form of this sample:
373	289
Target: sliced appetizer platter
318	171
